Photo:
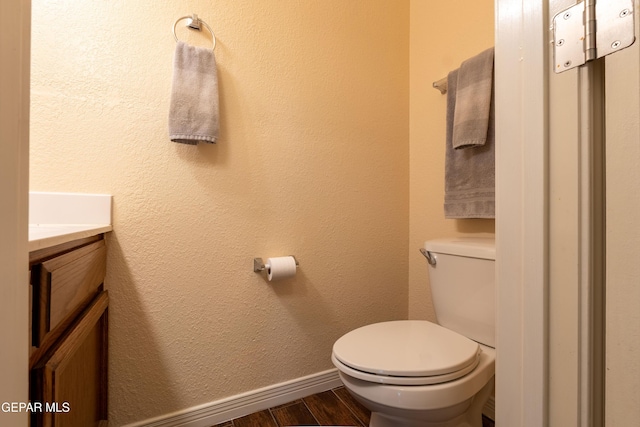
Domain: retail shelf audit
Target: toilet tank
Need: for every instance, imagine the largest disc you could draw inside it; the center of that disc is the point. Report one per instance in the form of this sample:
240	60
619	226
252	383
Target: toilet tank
463	286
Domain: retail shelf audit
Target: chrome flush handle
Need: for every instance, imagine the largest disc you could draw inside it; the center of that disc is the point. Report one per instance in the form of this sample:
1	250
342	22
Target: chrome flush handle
429	256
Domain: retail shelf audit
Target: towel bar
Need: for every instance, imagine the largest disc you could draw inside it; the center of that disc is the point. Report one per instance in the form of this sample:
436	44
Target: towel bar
441	85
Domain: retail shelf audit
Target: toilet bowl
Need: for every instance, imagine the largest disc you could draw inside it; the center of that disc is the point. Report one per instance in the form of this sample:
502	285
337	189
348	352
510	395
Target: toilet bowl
440	378
416	373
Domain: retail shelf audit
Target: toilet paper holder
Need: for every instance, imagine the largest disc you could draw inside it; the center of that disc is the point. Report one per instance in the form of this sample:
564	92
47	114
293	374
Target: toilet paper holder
258	264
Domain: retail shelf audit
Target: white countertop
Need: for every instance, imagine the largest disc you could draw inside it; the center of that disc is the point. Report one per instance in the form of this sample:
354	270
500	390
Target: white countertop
45	236
56	218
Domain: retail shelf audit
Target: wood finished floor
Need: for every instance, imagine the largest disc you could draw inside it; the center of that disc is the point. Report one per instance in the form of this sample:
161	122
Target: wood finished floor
330	408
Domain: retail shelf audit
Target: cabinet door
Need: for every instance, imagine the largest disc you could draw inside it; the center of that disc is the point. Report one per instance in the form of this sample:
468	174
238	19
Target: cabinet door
63	286
72	383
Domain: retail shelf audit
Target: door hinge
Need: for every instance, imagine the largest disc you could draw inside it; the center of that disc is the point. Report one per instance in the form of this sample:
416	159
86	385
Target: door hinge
589	30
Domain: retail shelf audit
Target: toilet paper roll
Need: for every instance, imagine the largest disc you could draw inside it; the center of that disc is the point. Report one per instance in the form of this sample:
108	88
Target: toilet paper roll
280	267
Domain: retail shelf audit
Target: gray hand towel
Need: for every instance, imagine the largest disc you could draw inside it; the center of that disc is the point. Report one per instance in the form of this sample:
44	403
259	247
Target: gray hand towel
193	113
469	173
473	102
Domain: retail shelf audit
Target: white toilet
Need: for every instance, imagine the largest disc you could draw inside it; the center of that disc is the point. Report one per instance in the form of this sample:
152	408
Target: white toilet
418	373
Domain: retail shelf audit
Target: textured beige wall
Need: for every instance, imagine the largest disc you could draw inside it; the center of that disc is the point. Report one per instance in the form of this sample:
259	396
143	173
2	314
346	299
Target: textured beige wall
312	160
443	34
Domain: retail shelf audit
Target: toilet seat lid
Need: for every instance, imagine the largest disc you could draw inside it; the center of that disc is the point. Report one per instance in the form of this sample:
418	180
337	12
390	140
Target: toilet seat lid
406	348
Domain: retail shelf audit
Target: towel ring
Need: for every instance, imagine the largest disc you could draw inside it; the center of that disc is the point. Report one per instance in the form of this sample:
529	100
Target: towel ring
195	24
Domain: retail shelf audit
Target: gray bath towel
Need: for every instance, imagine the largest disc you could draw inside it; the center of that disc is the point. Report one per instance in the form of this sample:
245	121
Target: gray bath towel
469	172
473	101
193	113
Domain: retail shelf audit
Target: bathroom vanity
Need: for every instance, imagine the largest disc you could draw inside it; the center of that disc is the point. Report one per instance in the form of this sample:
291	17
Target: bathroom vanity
68	325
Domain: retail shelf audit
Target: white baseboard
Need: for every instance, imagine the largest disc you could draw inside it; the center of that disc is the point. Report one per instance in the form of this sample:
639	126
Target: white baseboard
219	411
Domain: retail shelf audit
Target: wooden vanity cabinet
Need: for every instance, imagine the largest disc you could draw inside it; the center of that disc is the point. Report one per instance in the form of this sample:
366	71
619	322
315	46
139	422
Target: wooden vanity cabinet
69	323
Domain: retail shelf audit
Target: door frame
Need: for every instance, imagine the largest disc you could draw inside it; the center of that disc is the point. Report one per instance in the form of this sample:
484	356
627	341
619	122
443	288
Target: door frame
550	286
521	87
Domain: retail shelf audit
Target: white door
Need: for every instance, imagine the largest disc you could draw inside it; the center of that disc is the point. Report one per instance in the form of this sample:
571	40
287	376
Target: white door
622	380
594	238
568	170
14	170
